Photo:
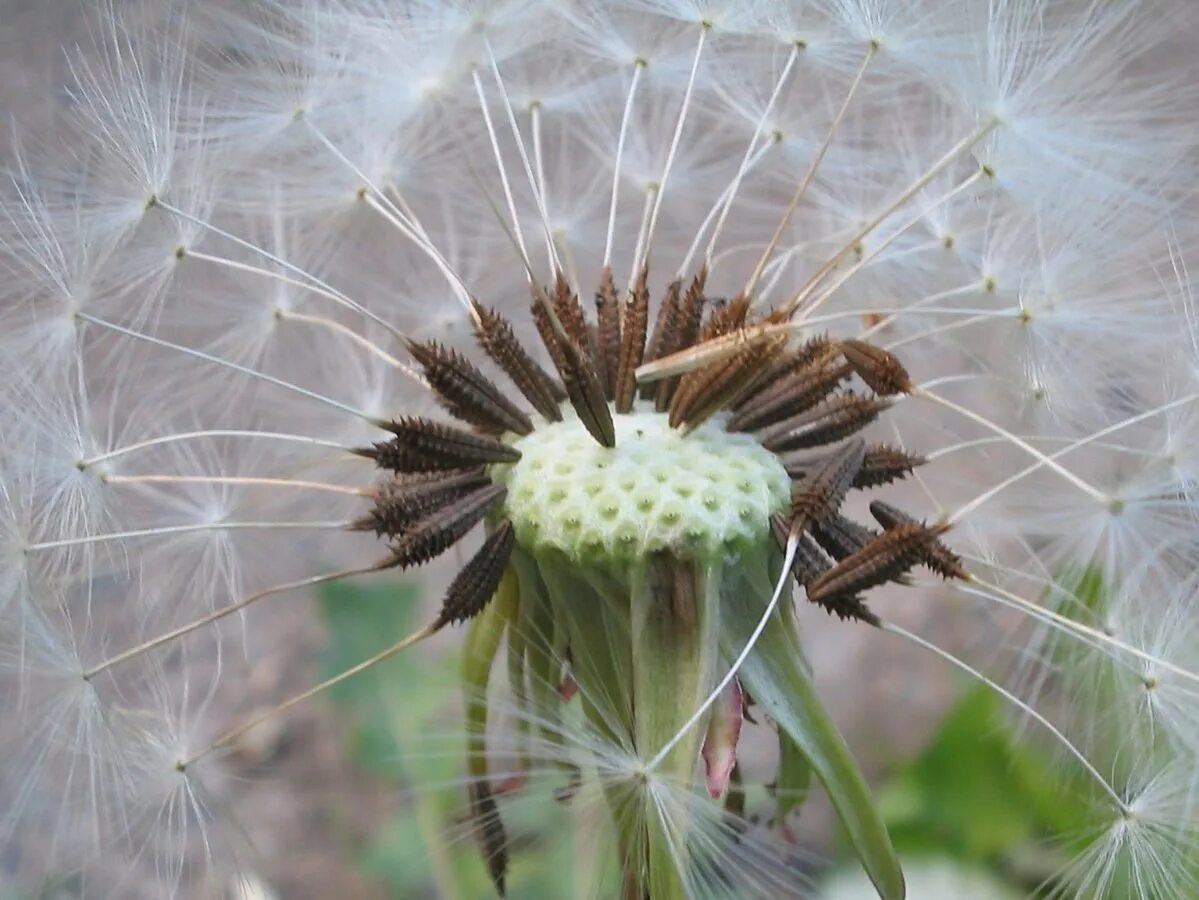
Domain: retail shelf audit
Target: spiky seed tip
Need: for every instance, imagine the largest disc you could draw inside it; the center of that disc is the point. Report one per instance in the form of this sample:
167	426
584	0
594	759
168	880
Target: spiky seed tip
607	334
831	420
422	445
476	584
634	320
465	392
405	499
496	336
821	493
691	311
937	556
883	559
850	607
549	337
444	526
881	370
490	831
884	464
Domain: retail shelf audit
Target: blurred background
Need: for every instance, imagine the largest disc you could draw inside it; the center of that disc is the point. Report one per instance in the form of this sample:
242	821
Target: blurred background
333	802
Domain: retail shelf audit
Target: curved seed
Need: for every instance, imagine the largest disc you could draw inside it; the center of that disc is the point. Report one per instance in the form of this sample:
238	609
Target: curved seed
421	445
632	344
436	532
883	464
788	396
607	335
883	559
937	557
403	500
467	393
821	493
476	584
834	419
498	340
881	370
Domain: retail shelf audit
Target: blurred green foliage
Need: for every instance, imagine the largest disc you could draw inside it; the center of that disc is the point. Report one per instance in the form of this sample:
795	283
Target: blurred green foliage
980	793
403	725
985	796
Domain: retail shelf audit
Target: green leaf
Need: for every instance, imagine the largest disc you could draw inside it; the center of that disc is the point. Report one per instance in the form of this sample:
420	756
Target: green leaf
778	680
978	793
794	778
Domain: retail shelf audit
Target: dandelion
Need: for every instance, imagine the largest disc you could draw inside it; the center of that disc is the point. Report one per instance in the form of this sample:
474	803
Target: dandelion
658	323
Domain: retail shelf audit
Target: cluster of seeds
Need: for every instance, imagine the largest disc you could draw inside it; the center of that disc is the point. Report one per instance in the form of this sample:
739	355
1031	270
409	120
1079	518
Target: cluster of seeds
760	436
698	464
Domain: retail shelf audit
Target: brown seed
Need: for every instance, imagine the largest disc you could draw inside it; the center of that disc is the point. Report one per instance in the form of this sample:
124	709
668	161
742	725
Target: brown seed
881	370
883	464
404	499
474	586
759	360
549	337
498	340
828	421
852	607
705	391
937	556
607	335
725	319
821	493
691	311
441	528
817	348
467	393
687	321
570	313
587	394
583	388
883	559
663	333
810	562
841	537
790	395
492	840
421	445
632	343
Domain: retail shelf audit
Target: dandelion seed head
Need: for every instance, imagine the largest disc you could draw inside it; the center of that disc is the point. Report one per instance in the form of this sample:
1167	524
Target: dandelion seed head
304	291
